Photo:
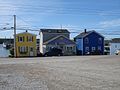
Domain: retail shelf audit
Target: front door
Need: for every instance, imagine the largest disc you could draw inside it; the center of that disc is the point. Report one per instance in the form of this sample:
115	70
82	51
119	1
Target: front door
31	51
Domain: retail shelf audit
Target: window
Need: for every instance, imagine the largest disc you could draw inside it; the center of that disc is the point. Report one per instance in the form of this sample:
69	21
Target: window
86	40
99	47
23	49
115	46
61	38
100	40
30	38
31	49
93	49
69	48
86	49
20	39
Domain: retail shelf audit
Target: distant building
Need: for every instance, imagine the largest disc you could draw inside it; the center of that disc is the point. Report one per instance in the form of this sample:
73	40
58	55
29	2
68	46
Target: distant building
26	44
58	38
114	46
107	47
89	42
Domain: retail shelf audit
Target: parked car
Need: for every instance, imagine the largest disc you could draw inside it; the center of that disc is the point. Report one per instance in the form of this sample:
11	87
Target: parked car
54	52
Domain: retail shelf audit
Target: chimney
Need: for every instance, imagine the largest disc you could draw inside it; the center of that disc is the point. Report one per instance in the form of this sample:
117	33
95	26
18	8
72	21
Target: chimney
85	30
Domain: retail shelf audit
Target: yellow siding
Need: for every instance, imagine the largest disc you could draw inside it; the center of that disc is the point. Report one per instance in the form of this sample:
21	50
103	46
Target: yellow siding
26	43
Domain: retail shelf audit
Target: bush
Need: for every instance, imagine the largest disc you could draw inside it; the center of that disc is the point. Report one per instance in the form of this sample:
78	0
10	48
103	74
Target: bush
12	51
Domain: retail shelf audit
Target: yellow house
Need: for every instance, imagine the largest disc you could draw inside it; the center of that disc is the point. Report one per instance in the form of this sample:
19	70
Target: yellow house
25	44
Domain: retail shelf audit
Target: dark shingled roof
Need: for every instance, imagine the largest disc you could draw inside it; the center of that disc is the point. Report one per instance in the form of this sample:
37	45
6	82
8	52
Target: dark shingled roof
57	37
115	40
81	35
54	30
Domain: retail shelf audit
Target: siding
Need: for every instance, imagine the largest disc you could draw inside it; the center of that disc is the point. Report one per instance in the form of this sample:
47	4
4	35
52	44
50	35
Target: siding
26	44
79	43
114	47
93	42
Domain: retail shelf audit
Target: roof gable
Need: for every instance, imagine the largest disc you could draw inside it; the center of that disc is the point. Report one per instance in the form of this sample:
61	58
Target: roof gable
60	39
26	33
84	34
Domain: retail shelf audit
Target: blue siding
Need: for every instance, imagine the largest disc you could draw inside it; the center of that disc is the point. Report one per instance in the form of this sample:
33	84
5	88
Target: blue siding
79	43
79	46
93	41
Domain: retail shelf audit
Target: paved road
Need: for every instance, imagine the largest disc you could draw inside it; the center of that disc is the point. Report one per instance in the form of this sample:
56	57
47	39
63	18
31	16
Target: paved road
60	73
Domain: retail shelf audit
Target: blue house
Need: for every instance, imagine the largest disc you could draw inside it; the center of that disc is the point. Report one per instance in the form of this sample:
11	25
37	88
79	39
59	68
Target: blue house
89	43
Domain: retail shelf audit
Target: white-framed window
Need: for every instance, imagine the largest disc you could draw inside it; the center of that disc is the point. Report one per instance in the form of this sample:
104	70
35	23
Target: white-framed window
20	39
93	49
69	48
22	49
100	40
30	38
86	49
99	48
31	49
86	40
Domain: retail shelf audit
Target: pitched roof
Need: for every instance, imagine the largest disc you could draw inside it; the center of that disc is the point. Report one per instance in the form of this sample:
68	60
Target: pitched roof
26	33
84	34
54	30
57	38
115	40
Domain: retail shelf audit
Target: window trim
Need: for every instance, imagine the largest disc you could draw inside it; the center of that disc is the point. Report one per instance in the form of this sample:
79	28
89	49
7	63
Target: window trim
23	49
30	38
87	49
20	39
86	40
93	49
100	40
99	48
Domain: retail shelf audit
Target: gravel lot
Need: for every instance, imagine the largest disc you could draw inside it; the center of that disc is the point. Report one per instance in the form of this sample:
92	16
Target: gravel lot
60	73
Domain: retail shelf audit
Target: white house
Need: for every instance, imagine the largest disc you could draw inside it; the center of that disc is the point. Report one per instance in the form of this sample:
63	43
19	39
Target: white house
114	46
57	38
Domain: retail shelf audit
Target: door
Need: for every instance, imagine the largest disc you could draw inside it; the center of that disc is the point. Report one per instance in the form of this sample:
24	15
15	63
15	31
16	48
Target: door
31	51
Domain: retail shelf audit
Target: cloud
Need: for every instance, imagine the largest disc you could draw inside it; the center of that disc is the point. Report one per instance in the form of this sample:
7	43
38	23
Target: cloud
110	23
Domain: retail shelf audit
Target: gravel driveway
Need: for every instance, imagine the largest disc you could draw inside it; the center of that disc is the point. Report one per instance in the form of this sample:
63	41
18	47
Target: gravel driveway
60	73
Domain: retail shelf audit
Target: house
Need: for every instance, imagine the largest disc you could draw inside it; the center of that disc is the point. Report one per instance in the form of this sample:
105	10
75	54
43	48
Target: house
56	38
25	44
89	42
114	46
107	47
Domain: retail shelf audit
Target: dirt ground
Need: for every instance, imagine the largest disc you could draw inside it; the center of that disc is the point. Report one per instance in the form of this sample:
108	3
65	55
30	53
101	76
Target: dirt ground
60	73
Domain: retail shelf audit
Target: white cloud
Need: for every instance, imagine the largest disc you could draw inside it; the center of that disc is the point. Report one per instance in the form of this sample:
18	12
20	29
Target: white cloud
110	23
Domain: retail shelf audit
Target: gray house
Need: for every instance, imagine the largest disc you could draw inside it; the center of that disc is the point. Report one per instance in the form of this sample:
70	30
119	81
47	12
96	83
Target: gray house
58	38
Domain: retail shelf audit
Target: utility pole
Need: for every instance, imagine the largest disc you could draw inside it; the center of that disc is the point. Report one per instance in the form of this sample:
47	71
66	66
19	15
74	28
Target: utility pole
15	53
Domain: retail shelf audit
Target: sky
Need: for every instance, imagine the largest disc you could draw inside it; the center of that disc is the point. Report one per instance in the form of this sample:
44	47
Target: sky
102	16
